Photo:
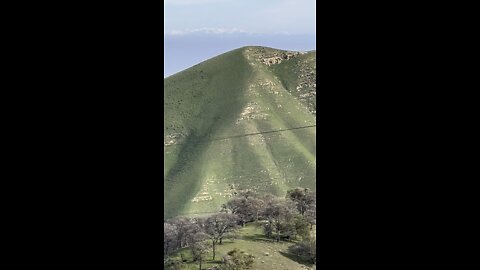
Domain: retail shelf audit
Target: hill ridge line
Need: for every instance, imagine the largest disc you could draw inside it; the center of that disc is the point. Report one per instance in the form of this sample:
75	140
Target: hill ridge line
243	49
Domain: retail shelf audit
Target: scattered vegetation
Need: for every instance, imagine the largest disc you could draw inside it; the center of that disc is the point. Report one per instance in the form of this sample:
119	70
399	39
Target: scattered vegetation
284	219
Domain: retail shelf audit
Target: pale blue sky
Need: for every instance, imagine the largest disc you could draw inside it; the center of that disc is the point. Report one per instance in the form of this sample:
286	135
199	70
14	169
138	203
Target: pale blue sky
196	30
251	16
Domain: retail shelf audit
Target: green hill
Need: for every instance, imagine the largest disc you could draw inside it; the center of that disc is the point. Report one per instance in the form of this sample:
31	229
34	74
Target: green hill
242	120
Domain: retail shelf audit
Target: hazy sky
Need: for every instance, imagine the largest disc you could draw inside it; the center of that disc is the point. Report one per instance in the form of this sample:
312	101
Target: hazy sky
253	16
201	29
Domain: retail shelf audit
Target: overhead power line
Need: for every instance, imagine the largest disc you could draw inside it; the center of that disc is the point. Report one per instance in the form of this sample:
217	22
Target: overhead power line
246	135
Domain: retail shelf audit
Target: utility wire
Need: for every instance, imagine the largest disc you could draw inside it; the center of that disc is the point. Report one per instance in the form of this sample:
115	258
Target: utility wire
245	135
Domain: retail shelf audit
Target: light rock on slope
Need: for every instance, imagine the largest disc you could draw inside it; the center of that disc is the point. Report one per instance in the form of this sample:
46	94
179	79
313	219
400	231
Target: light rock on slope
217	130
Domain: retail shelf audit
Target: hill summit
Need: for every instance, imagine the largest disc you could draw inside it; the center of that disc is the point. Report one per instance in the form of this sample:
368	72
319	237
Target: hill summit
243	120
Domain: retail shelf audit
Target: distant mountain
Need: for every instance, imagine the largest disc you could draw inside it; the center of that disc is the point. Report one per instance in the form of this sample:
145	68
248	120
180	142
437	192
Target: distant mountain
242	120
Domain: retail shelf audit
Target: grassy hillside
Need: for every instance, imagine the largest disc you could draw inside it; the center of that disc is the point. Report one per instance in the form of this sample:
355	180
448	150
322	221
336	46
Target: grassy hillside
210	110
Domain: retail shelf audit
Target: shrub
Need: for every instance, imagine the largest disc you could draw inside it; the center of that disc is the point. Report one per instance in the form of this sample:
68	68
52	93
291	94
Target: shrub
307	250
237	260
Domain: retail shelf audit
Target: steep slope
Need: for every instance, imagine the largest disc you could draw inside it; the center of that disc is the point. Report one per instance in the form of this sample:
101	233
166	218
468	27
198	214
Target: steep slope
242	120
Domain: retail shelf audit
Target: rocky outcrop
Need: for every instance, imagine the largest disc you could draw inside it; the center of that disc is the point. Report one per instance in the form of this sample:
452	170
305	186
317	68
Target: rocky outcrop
270	56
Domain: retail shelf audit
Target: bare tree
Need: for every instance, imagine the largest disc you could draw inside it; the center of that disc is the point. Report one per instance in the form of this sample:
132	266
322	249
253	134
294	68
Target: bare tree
169	238
311	215
183	225
279	214
303	198
199	248
247	209
218	226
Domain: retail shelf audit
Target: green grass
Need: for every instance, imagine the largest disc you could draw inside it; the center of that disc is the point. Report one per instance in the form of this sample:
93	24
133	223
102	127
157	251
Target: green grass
251	240
208	101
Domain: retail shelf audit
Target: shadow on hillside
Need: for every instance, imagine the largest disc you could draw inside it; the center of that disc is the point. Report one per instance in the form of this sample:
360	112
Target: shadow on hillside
295	258
262	238
257	238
